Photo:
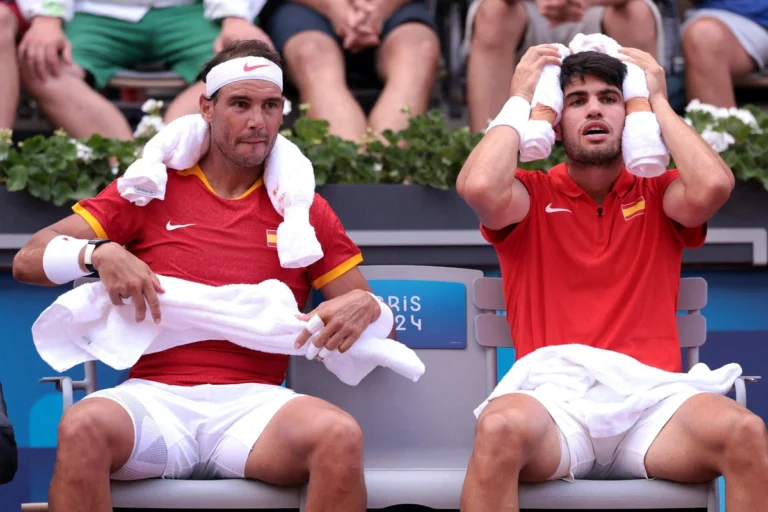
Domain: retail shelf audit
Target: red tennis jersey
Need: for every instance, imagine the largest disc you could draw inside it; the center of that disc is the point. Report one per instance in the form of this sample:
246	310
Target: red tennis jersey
604	276
194	234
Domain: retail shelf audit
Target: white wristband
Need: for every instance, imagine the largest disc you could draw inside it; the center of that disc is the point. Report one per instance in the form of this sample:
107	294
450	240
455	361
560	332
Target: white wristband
515	113
61	259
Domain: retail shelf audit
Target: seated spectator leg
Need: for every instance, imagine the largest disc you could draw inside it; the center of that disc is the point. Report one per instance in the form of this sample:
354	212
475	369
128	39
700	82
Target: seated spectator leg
407	62
9	67
711	435
101	47
95	438
188	102
713	56
183	38
68	102
515	438
311	440
497	30
316	65
632	24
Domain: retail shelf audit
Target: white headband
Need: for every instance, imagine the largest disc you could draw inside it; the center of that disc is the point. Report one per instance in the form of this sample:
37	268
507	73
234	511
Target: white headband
244	68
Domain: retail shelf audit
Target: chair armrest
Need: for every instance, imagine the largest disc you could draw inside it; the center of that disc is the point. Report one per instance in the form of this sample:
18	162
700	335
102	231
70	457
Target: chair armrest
741	388
63	384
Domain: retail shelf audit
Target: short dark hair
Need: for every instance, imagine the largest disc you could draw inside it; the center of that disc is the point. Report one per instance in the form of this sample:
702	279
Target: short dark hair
242	48
608	69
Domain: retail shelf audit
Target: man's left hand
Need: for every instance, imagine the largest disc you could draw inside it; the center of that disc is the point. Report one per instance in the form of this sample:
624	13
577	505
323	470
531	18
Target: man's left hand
654	73
344	319
238	29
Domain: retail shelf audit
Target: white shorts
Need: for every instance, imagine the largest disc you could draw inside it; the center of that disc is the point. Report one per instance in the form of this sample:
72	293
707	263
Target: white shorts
621	457
193	432
752	37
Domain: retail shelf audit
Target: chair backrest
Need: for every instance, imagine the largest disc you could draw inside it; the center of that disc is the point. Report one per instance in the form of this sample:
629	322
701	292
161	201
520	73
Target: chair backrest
430	422
492	329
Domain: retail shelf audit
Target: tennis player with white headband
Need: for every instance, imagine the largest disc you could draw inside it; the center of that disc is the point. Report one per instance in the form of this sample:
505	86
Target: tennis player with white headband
216	227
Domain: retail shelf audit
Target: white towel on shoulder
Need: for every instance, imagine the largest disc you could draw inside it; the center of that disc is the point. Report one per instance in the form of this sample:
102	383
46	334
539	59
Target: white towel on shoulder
83	325
607	391
288	176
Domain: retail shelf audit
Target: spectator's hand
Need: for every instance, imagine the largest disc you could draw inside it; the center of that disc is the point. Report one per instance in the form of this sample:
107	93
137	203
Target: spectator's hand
345	318
528	70
126	276
348	24
44	47
562	11
238	29
654	73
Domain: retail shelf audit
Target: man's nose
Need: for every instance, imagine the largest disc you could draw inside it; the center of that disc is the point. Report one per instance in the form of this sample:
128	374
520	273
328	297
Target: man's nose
594	108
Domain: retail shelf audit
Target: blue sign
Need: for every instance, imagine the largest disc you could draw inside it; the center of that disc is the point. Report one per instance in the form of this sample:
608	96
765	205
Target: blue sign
428	314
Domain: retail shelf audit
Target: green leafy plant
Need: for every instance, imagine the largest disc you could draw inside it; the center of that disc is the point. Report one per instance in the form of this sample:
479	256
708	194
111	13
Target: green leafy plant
60	169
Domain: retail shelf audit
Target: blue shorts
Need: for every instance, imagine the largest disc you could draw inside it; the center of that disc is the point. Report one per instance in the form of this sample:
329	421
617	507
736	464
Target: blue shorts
286	19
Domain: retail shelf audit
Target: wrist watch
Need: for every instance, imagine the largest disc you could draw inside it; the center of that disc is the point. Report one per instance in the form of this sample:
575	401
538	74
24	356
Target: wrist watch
88	256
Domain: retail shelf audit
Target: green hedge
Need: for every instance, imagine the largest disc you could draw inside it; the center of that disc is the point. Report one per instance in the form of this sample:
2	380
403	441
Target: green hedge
60	169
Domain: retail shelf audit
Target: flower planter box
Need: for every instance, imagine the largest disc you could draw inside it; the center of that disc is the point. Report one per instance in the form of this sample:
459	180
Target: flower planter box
413	224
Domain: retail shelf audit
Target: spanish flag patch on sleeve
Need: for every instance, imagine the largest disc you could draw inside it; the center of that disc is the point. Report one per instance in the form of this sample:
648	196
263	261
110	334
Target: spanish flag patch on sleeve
271	238
633	209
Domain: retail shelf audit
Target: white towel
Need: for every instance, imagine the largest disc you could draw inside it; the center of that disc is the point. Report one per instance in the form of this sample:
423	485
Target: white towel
606	391
290	181
643	149
539	136
83	325
288	176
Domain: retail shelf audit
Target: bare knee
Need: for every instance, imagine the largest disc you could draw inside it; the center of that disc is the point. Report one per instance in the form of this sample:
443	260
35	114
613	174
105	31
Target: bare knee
634	13
312	52
746	445
705	41
494	20
501	438
421	48
338	445
88	438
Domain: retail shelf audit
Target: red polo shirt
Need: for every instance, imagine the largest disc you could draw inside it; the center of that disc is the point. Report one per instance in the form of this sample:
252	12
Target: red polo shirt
195	235
605	276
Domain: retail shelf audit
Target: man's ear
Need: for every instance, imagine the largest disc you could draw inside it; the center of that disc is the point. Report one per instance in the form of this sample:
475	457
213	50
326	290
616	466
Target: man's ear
558	133
206	108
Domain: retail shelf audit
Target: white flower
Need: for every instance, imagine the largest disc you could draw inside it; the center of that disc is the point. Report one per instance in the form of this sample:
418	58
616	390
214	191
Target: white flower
719	141
377	167
286	106
745	116
148	127
152	106
84	153
115	170
3	157
688	122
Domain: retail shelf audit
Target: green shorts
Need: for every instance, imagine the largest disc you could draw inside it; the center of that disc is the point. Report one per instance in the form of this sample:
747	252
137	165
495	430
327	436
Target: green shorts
179	37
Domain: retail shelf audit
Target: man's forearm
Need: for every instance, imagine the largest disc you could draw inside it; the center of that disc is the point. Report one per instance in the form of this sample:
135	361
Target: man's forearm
701	168
28	263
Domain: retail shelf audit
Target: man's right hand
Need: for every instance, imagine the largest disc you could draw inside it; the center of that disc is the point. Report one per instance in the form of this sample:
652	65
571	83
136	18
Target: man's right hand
44	47
126	276
528	70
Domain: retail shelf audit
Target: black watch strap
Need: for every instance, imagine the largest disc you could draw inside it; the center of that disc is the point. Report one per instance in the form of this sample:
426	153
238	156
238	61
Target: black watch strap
95	243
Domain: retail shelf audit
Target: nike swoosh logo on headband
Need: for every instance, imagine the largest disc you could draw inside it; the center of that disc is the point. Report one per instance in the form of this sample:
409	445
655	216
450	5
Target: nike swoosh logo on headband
248	68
